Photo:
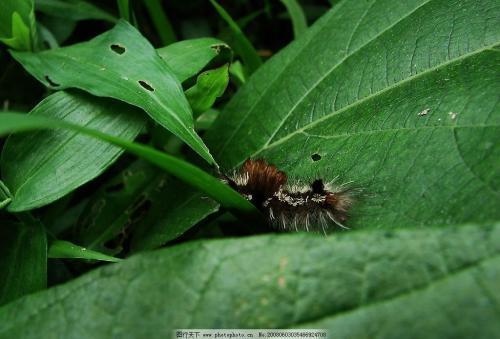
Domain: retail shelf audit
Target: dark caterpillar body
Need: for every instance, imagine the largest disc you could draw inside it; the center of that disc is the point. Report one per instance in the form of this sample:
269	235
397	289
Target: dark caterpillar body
297	207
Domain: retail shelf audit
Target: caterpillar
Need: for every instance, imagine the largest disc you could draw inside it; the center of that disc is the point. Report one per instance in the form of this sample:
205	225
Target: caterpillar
313	207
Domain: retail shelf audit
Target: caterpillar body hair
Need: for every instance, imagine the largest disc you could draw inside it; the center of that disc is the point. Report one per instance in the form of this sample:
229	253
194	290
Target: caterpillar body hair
292	206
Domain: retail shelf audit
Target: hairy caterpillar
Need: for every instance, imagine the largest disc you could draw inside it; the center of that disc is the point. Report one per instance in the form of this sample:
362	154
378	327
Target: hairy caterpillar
312	207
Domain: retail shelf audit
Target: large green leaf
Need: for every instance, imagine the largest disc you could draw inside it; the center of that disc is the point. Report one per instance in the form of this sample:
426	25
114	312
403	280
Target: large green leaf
123	65
23	259
431	276
43	166
400	97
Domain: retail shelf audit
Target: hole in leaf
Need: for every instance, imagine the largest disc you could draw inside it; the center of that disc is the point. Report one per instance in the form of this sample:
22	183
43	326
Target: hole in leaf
118	49
51	83
316	157
145	85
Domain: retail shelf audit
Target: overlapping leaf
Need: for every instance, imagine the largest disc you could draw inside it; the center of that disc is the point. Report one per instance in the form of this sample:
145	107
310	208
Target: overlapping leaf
54	147
123	65
381	279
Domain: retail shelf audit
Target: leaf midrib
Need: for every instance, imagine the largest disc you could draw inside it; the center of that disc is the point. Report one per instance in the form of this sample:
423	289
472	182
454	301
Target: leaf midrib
370	97
376	131
403	18
155	98
269	85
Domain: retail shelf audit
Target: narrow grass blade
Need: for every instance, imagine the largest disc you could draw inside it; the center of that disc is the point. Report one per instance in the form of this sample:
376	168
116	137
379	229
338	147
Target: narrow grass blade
160	21
243	47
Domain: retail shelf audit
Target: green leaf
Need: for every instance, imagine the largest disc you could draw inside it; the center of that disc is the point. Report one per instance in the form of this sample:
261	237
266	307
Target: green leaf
190	174
42	167
5	195
401	98
185	208
120	64
297	16
17	24
242	45
74	10
23	264
209	86
277	281
61	249
188	57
